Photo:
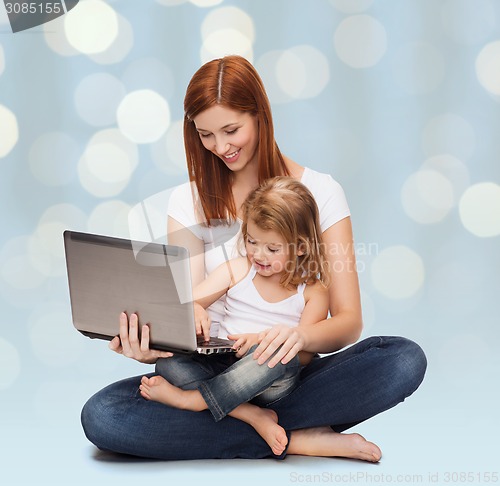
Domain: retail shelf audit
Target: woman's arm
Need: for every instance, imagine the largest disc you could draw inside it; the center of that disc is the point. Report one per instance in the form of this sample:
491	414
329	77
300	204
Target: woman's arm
179	235
345	324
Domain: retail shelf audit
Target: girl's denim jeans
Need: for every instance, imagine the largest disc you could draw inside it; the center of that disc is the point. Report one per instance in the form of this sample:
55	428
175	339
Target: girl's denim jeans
225	381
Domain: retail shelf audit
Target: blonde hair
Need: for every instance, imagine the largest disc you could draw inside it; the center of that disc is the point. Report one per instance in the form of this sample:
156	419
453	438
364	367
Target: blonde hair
286	206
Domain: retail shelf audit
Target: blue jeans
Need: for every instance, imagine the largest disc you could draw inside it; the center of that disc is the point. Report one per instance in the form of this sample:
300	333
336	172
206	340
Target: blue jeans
225	381
340	390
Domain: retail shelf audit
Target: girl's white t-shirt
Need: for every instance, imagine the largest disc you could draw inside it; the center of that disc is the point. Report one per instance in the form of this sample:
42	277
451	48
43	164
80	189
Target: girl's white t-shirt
221	241
246	311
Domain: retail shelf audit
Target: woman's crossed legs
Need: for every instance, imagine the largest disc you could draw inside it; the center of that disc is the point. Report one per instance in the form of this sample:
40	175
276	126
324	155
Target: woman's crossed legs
338	391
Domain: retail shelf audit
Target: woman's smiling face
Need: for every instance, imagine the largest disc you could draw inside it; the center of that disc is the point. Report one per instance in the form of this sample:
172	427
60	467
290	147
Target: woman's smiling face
229	134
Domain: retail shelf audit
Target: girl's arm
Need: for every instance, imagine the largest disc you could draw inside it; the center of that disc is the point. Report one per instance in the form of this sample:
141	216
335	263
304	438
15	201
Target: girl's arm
345	324
214	286
316	304
220	281
315	310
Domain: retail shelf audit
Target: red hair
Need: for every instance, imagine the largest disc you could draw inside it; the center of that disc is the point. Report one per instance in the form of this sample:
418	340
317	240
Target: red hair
234	83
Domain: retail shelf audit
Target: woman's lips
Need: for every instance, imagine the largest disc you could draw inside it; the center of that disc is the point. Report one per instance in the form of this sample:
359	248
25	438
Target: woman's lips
232	157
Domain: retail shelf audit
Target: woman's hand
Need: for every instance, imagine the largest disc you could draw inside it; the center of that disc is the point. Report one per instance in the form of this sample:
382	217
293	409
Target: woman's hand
243	342
128	344
290	339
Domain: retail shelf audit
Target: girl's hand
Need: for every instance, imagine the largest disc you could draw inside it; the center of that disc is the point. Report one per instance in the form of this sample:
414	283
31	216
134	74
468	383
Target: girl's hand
202	321
128	344
243	342
290	339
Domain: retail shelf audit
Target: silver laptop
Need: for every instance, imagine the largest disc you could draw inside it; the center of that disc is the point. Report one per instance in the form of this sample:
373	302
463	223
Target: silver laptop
108	275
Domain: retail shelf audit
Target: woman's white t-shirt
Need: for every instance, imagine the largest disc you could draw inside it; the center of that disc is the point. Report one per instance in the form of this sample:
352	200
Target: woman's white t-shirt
221	240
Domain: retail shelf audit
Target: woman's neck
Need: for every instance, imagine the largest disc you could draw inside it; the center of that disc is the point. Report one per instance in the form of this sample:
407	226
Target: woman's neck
246	180
241	188
294	169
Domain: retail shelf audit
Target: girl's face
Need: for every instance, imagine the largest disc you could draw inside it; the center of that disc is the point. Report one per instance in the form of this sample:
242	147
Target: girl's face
229	134
267	250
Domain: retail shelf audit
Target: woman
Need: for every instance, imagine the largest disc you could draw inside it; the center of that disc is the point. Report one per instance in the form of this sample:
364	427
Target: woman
230	148
283	279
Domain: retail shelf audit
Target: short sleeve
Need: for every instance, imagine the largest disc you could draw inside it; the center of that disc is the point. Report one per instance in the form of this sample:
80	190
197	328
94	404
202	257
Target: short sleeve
181	208
329	196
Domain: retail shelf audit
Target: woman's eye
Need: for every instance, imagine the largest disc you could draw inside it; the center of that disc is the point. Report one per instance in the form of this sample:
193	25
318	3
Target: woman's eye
250	242
230	132
205	135
274	250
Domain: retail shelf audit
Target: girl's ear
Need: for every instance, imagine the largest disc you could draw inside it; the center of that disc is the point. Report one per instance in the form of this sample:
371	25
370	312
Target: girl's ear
301	248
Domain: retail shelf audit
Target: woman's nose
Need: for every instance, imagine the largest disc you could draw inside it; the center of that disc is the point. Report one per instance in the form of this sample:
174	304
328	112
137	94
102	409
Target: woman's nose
221	147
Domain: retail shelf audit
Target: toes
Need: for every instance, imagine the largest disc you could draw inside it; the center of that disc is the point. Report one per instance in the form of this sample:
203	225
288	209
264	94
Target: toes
282	439
369	450
278	449
157	380
374	450
280	442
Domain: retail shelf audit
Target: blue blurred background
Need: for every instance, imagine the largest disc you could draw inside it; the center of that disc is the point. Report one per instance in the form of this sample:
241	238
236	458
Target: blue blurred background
399	100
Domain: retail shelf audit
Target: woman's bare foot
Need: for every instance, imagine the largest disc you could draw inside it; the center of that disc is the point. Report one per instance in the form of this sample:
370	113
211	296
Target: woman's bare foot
265	422
160	390
324	442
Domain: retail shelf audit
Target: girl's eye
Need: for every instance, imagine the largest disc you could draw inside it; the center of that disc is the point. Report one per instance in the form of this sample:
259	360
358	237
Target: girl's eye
250	242
205	135
274	250
230	132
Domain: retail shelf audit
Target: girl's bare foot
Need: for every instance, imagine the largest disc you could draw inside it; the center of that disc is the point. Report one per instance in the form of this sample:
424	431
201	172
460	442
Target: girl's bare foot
160	390
265	422
324	442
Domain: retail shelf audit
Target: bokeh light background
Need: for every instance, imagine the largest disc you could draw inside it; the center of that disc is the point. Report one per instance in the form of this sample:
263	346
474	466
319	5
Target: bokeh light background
398	99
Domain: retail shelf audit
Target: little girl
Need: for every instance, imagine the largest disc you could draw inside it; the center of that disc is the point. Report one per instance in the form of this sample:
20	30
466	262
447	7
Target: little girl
282	280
